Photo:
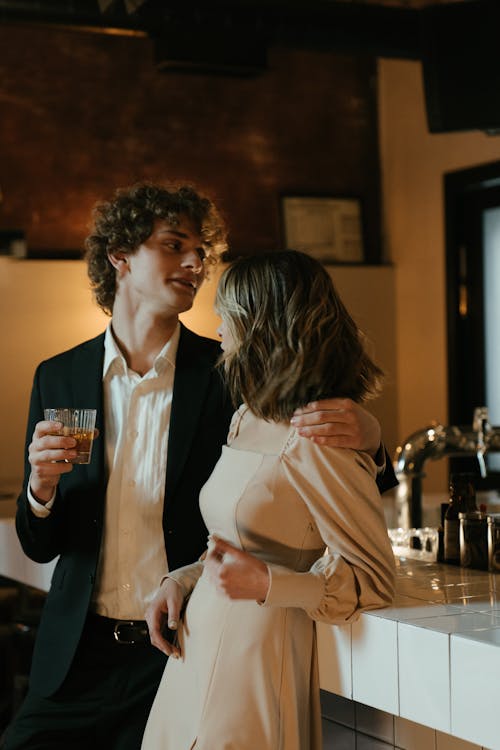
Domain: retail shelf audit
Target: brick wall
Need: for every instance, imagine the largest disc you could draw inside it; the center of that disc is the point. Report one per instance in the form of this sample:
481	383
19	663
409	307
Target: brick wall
82	113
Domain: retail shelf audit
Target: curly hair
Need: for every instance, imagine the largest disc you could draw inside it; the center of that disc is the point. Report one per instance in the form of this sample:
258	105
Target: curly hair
293	339
127	220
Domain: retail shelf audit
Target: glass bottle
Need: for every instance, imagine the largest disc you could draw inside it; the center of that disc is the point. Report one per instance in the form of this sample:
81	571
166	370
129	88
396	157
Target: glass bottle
440	549
494	542
474	540
462	499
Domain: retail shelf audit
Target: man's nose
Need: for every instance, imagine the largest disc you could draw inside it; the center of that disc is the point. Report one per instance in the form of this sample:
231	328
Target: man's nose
192	260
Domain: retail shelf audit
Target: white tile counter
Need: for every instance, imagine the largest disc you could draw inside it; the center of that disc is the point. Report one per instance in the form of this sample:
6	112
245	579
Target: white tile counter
432	658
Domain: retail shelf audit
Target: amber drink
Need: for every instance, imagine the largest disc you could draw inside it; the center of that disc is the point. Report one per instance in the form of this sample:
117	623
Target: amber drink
79	424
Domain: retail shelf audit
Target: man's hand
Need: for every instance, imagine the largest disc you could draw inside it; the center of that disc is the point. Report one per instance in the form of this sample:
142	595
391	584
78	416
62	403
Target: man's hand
49	455
235	573
339	423
164	611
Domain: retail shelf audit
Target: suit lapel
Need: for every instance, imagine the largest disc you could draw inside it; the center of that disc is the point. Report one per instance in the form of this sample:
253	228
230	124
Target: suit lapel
88	393
192	378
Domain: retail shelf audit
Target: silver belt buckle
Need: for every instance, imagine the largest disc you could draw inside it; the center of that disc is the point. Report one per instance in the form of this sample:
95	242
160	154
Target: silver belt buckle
116	631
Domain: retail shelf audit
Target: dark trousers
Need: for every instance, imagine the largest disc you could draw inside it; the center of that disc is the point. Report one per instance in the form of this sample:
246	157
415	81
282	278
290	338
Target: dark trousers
103	703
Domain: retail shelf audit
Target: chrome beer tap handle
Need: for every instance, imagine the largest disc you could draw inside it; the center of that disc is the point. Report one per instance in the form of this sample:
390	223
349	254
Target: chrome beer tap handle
433	443
481	426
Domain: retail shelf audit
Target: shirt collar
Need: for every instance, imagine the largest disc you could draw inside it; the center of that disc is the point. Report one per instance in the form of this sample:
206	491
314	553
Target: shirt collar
168	354
114	357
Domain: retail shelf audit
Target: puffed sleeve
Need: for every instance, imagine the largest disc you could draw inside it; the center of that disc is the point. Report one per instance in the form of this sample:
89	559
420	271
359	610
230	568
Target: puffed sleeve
357	571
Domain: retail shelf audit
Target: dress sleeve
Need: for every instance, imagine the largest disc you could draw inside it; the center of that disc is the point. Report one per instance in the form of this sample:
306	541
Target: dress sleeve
357	571
187	577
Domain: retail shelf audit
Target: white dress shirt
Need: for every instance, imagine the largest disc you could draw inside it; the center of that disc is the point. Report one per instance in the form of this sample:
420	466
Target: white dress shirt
137	417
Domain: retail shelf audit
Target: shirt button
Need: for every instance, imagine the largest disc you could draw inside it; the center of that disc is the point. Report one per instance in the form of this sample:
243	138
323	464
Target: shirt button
125	586
131	482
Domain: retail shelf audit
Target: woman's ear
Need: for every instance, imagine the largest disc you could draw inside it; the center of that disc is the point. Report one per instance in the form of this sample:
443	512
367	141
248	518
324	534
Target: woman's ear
119	261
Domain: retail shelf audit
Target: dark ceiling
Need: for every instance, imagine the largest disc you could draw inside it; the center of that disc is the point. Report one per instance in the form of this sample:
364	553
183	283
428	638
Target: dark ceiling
237	33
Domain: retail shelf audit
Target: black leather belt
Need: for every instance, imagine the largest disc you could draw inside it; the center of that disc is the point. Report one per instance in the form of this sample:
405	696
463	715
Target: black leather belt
128	632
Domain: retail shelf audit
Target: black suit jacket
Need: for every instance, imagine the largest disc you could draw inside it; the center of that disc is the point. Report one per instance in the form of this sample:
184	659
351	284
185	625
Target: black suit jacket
201	411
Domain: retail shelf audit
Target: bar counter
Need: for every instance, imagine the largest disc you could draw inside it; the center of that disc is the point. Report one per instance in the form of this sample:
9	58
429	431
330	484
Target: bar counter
432	658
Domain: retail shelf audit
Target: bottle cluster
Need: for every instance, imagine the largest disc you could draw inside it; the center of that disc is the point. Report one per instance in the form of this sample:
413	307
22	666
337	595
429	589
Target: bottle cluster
471	536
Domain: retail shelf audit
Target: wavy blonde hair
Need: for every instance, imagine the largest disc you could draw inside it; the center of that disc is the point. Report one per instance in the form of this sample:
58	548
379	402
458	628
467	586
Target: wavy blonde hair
293	339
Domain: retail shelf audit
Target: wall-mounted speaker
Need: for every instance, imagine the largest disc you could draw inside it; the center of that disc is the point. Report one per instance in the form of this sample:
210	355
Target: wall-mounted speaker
461	65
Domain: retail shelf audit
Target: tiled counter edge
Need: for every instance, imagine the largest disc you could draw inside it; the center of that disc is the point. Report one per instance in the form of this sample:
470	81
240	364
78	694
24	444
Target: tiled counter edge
432	658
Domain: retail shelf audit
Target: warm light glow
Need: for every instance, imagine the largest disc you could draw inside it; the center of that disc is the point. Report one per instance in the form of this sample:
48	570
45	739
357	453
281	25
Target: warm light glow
202	318
463	301
109	30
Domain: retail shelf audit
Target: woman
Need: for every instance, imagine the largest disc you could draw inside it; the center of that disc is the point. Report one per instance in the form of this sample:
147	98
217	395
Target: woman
245	671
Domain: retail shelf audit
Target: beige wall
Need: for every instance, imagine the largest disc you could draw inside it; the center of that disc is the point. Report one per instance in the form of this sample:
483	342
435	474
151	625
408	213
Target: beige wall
47	307
413	164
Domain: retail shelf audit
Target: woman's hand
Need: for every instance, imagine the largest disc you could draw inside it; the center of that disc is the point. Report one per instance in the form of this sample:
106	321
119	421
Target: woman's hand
164	612
235	573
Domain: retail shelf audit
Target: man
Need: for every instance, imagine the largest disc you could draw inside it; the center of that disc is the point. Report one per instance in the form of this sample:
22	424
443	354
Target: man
117	524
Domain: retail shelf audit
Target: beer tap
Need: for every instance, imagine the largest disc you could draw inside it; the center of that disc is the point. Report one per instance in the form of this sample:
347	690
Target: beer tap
481	426
432	443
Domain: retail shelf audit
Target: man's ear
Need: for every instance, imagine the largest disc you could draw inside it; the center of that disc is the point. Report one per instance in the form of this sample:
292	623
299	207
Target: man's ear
119	261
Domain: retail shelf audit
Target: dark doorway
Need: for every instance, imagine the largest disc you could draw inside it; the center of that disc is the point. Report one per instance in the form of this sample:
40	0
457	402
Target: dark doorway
472	204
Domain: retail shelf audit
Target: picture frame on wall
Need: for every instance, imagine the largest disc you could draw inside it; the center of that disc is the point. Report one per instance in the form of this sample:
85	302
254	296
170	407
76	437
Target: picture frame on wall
328	228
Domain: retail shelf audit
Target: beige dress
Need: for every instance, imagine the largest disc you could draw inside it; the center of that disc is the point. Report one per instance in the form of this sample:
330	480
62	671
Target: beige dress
248	676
